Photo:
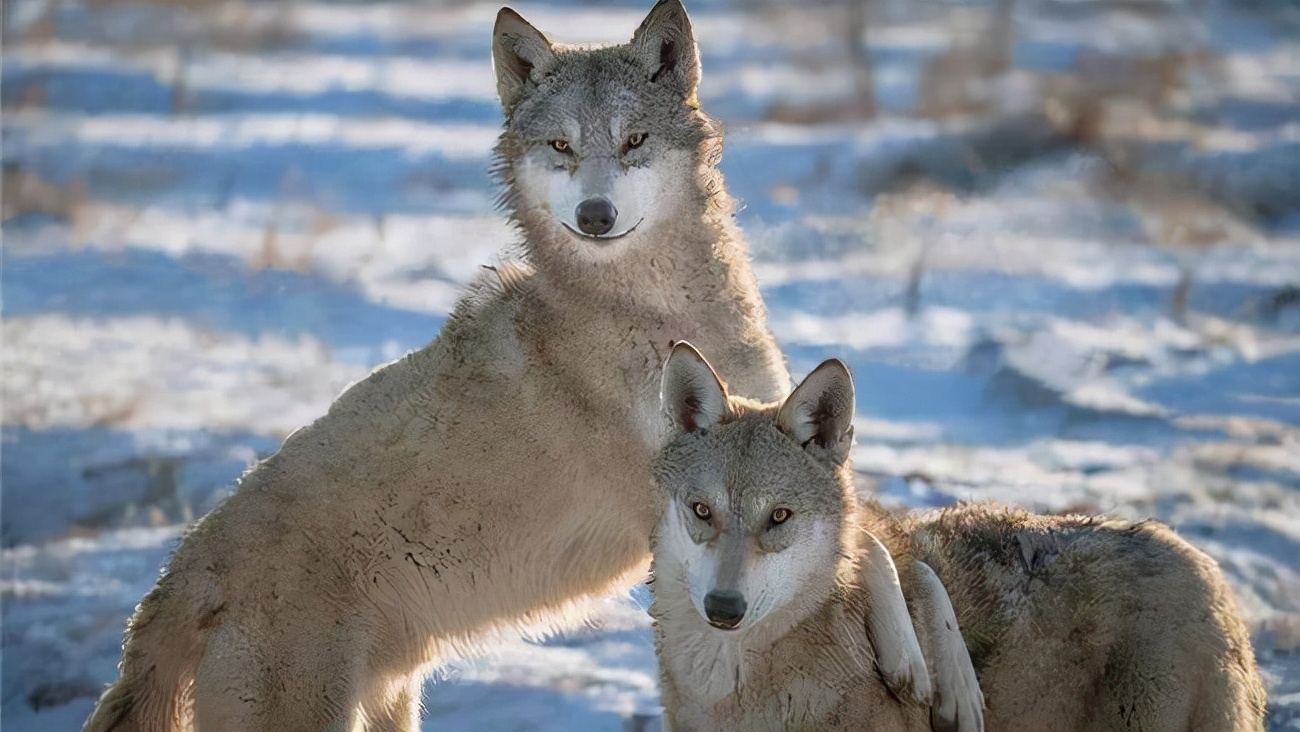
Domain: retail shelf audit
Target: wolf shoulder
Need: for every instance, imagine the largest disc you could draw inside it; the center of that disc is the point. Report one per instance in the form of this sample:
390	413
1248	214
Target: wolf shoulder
1032	546
481	345
1011	562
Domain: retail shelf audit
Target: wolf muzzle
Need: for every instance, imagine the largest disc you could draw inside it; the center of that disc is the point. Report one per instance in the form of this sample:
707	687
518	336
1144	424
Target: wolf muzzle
724	608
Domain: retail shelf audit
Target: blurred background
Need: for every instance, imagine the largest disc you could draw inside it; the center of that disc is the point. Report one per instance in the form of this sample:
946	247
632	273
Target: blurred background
1058	242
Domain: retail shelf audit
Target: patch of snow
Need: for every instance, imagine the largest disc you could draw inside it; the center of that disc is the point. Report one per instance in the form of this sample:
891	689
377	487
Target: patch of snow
381	254
38	129
892	327
152	372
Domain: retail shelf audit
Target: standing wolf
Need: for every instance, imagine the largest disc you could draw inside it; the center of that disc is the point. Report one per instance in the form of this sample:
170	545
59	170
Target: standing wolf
498	474
1075	624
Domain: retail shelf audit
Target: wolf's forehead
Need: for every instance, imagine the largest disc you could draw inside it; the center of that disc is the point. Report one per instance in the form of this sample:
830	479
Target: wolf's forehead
695	471
593	69
748	452
765	465
585	93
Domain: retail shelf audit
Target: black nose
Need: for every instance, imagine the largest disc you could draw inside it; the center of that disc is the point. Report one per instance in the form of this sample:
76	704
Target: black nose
724	608
596	216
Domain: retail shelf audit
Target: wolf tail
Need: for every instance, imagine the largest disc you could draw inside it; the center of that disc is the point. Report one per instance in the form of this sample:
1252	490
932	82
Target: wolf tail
165	641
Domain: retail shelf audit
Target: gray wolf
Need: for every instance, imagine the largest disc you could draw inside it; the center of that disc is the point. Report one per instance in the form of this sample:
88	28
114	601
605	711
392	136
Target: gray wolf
1073	623
744	564
496	477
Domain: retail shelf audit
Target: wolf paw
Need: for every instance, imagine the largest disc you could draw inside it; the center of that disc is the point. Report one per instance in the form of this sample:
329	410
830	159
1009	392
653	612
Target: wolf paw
904	671
958	701
959	711
889	626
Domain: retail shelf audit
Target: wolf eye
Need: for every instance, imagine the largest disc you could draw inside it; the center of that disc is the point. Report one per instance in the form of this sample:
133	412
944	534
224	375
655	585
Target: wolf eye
560	145
702	511
635	140
781	515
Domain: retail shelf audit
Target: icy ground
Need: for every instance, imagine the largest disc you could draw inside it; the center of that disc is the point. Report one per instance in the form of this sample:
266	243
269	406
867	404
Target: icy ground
218	214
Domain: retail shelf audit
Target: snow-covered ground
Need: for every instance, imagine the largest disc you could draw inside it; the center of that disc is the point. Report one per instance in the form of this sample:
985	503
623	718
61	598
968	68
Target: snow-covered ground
1071	282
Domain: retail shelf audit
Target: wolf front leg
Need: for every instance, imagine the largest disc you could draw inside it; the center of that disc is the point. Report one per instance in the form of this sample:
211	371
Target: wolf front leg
281	674
394	706
958	701
898	652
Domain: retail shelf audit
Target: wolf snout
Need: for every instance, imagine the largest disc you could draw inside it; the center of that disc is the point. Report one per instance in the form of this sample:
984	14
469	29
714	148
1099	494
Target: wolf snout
596	216
724	608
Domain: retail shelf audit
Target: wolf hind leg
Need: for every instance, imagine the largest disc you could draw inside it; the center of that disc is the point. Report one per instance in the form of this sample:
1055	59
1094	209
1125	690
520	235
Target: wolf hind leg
1151	686
898	652
958	700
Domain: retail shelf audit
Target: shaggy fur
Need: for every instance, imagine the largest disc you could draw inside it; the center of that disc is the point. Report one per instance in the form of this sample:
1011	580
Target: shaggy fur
1074	624
1083	623
491	478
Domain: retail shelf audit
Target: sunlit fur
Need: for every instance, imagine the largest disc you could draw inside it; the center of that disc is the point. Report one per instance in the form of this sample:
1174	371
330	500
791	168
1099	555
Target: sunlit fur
1084	623
801	578
1075	624
488	481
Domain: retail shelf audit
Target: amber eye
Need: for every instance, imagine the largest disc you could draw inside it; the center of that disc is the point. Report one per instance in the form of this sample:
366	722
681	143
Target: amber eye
635	140
560	145
702	511
781	515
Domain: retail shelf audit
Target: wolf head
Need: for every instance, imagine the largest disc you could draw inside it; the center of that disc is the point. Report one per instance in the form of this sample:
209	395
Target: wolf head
753	509
598	142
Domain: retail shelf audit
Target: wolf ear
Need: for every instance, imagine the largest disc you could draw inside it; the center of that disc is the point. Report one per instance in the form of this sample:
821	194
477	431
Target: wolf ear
692	395
518	51
818	414
666	44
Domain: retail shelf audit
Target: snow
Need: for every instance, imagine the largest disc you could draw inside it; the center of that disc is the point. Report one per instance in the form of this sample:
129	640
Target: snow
38	131
149	372
219	214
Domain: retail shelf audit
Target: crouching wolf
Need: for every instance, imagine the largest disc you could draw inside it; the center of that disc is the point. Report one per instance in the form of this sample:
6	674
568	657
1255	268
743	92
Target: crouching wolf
1073	623
493	477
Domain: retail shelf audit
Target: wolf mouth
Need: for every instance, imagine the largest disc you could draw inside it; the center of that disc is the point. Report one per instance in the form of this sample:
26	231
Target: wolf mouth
604	237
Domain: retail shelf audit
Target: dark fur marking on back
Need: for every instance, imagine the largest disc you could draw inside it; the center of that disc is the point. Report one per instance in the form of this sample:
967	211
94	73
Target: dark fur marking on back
1037	550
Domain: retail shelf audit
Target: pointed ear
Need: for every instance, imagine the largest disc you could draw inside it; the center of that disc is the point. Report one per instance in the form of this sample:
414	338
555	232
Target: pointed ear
666	44
818	414
692	395
519	51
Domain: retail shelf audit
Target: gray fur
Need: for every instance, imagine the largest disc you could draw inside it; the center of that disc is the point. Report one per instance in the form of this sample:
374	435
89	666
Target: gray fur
1075	624
800	660
488	480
